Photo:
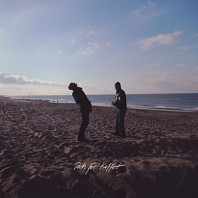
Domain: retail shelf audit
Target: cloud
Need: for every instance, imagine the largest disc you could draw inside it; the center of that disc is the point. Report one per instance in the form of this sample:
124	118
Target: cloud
91	48
161	39
148	11
95	33
90	33
73	41
28	15
163	82
92	45
20	85
161	76
184	48
152	82
8	79
180	65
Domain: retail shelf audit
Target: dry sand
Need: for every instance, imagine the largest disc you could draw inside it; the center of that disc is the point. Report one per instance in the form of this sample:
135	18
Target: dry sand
40	156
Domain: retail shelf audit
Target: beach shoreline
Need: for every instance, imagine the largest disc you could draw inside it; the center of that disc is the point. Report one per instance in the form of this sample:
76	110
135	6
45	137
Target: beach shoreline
41	157
166	102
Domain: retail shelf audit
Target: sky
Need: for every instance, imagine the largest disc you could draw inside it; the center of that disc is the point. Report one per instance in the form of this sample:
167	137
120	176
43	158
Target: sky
148	46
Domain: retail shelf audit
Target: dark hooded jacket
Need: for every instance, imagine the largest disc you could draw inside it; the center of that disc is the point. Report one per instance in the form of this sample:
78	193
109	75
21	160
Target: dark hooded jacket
81	99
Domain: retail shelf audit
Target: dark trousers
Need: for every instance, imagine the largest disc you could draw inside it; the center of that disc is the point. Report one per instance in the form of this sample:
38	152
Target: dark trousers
85	122
120	121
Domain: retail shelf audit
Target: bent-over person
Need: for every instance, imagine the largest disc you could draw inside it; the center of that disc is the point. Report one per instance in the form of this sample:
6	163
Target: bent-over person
85	108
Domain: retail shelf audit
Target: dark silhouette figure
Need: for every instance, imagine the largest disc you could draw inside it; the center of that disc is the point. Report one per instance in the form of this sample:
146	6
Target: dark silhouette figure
121	105
85	108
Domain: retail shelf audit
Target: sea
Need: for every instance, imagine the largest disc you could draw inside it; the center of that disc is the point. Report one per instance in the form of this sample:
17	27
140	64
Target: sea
166	102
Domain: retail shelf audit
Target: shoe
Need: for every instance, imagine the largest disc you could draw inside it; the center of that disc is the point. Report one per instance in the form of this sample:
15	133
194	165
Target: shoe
115	134
122	135
82	139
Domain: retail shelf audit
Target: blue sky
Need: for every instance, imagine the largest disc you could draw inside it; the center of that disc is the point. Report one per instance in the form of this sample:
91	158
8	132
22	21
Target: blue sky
149	46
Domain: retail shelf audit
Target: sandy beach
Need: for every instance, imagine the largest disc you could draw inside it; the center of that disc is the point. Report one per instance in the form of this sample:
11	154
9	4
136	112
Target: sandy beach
40	156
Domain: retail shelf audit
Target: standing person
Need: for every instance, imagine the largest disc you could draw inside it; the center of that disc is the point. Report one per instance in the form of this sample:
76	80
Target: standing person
85	108
121	105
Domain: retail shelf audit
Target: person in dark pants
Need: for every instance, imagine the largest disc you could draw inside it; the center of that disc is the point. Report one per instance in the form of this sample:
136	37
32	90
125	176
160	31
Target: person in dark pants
85	108
121	105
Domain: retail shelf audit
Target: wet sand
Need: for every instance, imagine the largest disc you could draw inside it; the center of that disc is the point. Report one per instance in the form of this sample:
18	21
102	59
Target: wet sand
40	156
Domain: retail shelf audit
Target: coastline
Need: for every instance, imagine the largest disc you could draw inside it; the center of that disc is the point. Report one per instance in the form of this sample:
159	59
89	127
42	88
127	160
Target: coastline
39	150
167	102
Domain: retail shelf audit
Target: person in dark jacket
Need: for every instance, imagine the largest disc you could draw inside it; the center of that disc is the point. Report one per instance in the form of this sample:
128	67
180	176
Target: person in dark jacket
121	105
85	108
